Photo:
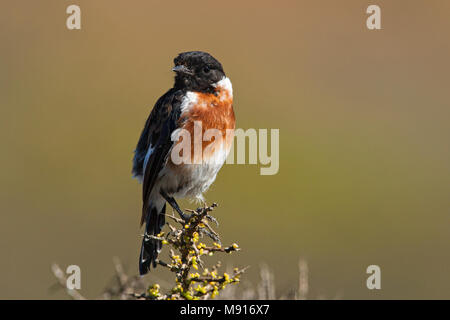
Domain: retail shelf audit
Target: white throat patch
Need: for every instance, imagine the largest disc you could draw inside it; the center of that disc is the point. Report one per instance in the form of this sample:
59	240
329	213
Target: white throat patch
225	84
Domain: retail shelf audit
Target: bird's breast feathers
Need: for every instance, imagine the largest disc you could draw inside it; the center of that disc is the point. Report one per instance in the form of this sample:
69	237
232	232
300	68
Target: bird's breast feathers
213	114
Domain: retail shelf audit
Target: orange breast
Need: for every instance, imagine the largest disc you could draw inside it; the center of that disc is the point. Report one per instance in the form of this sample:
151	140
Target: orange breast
214	111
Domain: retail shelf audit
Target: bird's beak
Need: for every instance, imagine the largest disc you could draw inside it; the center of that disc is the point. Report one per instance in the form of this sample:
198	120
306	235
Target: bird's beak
182	69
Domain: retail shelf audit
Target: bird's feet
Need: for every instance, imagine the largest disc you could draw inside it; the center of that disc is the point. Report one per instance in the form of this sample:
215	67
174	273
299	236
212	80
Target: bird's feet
185	216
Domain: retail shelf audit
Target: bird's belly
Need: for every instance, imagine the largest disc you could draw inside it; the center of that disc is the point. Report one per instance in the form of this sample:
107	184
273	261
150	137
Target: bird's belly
191	180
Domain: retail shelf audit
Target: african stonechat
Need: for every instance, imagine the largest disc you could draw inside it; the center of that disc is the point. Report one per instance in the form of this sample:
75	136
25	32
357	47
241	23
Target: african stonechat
201	94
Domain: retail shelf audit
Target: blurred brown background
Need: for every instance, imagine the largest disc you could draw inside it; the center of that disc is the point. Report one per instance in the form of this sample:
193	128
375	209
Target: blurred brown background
363	118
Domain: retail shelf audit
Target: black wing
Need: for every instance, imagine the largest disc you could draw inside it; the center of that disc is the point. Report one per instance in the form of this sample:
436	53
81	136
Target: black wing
156	136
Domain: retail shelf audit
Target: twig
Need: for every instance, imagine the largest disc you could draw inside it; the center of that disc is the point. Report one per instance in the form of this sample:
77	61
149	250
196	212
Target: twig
62	280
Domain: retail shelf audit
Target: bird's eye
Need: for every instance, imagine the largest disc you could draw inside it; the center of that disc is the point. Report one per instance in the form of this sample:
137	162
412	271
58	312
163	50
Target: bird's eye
206	69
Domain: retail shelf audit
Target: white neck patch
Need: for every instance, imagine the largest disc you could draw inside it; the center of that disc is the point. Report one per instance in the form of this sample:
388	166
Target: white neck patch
225	84
191	97
189	100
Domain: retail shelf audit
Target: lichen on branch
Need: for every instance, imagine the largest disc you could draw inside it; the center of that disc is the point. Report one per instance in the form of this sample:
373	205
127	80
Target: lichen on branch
193	278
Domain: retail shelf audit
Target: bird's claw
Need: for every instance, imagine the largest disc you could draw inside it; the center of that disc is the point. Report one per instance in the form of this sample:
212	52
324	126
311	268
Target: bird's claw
186	217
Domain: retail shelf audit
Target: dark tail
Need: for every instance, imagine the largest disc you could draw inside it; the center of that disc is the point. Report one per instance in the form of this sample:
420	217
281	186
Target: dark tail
150	248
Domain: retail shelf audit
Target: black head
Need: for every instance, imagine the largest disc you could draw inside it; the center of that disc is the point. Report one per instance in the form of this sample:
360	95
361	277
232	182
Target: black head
197	71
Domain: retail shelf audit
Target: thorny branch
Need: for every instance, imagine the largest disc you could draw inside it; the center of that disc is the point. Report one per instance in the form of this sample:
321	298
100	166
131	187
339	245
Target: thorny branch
185	239
186	252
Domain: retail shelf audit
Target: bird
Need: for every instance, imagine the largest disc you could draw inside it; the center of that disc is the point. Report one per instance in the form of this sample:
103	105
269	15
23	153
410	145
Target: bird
201	94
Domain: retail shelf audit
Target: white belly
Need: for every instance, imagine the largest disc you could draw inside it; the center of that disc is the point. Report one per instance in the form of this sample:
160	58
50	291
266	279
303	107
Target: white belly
191	180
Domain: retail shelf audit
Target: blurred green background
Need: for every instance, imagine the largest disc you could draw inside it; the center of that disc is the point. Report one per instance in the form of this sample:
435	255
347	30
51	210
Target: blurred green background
364	128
